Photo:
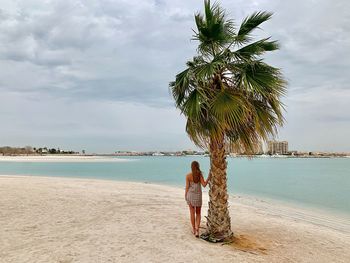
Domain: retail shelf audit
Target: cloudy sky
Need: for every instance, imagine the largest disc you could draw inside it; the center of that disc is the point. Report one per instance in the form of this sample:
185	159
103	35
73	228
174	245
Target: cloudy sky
94	74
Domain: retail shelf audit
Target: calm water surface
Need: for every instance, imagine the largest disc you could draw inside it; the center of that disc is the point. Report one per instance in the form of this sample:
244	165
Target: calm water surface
320	183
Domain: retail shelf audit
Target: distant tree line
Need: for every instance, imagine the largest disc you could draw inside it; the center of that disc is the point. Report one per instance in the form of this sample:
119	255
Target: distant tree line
7	150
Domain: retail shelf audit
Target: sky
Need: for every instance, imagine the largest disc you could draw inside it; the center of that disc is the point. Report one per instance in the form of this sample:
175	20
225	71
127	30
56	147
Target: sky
94	74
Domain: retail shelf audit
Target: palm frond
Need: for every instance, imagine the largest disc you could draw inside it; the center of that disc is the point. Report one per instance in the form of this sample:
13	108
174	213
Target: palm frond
230	109
243	138
249	24
192	104
256	49
266	120
261	79
181	86
214	31
208	69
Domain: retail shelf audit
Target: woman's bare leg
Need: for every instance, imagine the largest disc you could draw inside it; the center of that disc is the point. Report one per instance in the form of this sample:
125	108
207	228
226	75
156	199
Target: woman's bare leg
198	219
192	212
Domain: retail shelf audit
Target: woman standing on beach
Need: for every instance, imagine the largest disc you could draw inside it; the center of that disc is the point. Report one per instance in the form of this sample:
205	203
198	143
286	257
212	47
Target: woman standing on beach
193	195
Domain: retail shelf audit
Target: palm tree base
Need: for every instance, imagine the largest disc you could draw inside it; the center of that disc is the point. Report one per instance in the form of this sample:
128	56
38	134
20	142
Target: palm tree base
217	238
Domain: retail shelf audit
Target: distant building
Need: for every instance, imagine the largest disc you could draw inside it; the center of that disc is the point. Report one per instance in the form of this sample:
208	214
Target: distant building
44	150
158	154
276	147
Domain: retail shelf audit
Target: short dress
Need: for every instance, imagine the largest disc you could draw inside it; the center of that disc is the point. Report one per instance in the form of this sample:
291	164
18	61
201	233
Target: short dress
194	194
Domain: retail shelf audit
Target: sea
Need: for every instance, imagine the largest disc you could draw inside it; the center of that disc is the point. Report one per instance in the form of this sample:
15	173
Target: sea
320	183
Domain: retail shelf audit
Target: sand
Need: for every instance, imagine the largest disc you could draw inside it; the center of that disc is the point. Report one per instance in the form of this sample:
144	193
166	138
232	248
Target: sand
46	219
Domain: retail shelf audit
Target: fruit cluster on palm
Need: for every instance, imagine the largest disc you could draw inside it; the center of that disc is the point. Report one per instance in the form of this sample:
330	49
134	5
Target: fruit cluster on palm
230	97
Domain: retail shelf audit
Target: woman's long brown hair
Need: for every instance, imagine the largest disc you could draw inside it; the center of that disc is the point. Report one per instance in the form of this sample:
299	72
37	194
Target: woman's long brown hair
196	172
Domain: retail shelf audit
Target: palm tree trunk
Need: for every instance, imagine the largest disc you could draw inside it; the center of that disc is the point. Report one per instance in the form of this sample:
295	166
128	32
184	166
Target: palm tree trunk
218	220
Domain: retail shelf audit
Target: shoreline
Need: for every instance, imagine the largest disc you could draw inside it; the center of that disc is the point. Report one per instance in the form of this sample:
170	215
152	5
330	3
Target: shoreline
86	156
50	219
298	207
61	158
274	207
285	206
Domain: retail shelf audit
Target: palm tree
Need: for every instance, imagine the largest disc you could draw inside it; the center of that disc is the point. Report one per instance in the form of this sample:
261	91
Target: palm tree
231	99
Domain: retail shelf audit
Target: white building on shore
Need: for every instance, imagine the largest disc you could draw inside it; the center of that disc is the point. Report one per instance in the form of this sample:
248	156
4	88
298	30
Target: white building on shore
277	147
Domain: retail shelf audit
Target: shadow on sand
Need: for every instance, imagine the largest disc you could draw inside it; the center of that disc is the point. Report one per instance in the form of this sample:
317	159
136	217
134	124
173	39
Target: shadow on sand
247	243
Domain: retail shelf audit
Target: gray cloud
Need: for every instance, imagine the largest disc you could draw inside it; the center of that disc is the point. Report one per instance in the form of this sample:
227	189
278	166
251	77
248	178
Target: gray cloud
67	66
100	49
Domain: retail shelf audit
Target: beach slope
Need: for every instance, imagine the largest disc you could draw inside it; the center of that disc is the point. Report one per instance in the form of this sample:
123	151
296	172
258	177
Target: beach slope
77	220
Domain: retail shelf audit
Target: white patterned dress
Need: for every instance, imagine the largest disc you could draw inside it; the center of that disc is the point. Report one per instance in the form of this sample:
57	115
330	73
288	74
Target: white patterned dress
194	194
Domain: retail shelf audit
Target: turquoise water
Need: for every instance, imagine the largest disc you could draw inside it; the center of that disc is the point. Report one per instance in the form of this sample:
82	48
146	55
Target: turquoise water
320	183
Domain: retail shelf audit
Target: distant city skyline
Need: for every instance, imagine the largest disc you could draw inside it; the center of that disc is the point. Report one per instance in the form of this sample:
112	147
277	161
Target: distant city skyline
94	75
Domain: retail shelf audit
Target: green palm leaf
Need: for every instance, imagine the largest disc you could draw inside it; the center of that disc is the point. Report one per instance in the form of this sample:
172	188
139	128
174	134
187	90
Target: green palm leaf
230	109
256	49
213	30
181	86
230	92
192	104
249	24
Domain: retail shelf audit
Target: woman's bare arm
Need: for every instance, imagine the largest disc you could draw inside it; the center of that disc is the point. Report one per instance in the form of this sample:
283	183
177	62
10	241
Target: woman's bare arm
187	185
205	182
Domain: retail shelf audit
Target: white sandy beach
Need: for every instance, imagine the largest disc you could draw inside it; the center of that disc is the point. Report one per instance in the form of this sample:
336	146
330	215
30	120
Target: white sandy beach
46	219
61	158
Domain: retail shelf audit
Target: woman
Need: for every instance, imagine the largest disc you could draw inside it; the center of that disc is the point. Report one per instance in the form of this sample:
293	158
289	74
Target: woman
193	195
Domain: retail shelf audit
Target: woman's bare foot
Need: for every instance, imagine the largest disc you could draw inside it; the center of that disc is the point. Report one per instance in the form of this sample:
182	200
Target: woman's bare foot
193	231
197	233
